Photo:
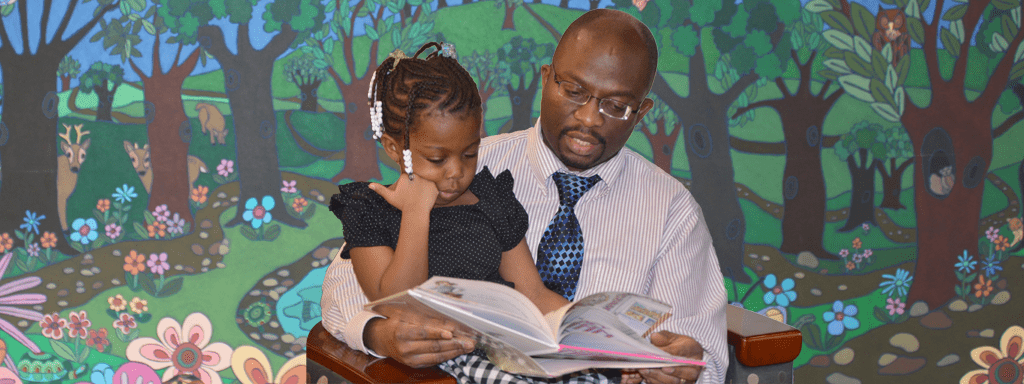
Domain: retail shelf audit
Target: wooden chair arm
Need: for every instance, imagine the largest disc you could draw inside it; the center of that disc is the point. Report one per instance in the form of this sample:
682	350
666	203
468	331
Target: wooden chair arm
760	340
359	367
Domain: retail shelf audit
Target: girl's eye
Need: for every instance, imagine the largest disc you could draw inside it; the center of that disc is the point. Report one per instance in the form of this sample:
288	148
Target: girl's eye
436	161
471	155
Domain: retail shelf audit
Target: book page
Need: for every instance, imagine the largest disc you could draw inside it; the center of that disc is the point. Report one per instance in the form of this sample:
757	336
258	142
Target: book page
632	314
559	367
596	333
490	297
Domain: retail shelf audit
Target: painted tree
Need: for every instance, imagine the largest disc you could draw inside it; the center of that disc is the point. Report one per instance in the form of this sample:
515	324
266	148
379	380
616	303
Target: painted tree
521	59
489	76
303	72
28	154
408	33
102	79
862	149
803	114
510	6
247	79
661	127
68	69
751	40
952	131
899	150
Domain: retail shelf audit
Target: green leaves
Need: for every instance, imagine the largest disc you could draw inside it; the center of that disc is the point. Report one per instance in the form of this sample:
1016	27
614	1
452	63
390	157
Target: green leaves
819	6
1005	5
837	20
863	20
915	29
955	13
857	86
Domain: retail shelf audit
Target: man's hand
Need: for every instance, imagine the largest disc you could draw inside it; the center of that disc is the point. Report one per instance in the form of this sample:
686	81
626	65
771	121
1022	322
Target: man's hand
677	345
415	340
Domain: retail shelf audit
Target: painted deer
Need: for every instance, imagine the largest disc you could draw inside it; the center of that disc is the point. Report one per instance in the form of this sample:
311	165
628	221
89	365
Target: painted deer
68	165
142	165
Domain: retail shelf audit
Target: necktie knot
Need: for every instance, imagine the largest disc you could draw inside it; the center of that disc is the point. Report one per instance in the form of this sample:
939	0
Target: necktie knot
571	187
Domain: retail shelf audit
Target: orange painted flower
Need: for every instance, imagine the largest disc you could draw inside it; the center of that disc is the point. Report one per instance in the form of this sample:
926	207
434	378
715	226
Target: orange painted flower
856	243
117	303
983	288
103	205
98	339
199	194
49	240
134	263
138	305
1001	243
299	204
850	265
6	242
157	229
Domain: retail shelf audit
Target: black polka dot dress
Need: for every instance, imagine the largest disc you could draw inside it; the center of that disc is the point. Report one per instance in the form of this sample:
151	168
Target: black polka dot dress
465	241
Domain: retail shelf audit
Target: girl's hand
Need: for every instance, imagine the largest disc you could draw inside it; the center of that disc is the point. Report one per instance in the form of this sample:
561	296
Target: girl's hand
418	194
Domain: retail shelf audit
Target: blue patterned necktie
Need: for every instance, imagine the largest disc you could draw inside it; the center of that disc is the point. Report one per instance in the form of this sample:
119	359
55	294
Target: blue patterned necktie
560	253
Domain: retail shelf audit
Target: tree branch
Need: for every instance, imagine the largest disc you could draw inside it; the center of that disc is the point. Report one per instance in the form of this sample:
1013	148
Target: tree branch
740	86
824	88
23	13
779	82
7	49
970	19
71	42
46	21
997	82
906	163
279	43
59	34
805	72
350	61
885	172
930	47
138	71
217	47
831	99
757	147
177	56
544	23
1007	124
773	103
186	68
242	42
157	66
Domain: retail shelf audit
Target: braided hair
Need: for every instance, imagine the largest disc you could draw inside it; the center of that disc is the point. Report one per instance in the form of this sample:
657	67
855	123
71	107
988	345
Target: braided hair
411	86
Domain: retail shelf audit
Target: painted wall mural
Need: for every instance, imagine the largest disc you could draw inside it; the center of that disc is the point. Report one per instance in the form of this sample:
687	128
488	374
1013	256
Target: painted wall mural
164	166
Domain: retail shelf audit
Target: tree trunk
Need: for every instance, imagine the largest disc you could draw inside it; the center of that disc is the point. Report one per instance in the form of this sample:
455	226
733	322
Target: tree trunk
563	4
594	4
862	198
442	4
803	181
663	144
29	153
361	161
308	95
892	183
522	102
509	22
65	82
703	116
105	101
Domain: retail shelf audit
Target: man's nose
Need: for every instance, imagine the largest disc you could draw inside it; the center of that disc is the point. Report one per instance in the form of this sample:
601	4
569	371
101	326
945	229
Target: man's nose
590	113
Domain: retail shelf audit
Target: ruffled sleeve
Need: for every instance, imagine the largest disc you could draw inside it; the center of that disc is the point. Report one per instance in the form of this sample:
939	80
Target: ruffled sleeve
499	203
361	215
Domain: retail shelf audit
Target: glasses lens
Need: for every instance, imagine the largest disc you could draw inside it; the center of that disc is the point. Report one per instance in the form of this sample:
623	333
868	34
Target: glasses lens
615	109
573	92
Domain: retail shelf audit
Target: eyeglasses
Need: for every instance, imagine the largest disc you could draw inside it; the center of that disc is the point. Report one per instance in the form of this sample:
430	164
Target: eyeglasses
580	96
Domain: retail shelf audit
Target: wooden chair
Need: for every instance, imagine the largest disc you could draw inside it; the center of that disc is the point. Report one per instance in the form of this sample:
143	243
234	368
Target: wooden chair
761	350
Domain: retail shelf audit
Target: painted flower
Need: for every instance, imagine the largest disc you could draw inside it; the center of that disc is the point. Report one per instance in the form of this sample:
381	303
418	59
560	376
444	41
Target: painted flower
289	186
134	262
102	373
8	376
991	234
844	252
157	229
124	194
138	305
226	167
176	224
98	339
103	205
49	240
198	194
126	323
991	265
1001	243
53	326
640	4
183	348
257	314
113	230
867	253
299	204
84	230
117	303
898	283
895	306
251	365
999	365
10	299
162	214
257	213
866	227
33	249
850	265
856	243
966	264
78	324
781	294
6	242
136	373
158	263
31	220
858	258
983	287
841	318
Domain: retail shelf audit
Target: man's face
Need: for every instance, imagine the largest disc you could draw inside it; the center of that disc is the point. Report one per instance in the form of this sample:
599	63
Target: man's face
580	135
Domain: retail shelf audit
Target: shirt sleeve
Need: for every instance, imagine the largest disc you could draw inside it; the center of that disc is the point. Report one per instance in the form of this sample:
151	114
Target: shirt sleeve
342	305
688	273
361	217
503	210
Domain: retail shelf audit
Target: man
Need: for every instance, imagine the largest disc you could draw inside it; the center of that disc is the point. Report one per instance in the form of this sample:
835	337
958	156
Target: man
641	229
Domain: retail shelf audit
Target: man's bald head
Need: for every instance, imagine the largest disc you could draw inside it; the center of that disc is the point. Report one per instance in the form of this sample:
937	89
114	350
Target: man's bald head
613	27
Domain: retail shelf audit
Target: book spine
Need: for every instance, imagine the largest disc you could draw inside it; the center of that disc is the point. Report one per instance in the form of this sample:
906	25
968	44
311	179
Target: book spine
634	355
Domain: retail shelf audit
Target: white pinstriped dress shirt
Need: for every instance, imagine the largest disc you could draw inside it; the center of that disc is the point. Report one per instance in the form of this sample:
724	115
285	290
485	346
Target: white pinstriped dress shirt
643	232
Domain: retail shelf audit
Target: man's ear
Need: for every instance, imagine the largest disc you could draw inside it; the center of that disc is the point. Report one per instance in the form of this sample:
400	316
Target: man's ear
645	107
392	148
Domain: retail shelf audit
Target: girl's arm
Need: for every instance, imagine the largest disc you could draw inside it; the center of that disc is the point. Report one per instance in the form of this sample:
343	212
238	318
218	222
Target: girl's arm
517	266
382	272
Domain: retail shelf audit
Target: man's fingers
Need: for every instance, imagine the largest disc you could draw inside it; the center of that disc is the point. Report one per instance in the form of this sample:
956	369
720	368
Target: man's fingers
432	352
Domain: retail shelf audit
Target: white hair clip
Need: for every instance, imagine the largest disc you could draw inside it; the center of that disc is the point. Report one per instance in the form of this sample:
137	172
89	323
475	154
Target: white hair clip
448	50
376	110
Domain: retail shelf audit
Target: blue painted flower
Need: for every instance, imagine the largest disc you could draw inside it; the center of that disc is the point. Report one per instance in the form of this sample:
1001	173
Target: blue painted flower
966	263
124	194
781	294
898	283
84	230
840	319
32	221
256	213
102	373
991	265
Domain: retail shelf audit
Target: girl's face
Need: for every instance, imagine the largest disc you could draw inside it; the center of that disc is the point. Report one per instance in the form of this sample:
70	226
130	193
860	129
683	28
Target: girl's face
444	151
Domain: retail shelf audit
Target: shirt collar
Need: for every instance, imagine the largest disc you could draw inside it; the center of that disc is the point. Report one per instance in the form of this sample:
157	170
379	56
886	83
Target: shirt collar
544	162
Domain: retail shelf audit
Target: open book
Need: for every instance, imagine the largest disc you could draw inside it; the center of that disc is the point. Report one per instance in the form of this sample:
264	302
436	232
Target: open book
603	330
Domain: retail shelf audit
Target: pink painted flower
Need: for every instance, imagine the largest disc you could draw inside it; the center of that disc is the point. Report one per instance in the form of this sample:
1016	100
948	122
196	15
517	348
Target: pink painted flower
10	299
868	253
8	376
226	167
895	306
53	326
289	186
135	373
162	214
991	234
857	258
866	227
844	252
158	263
113	230
251	365
78	325
184	348
126	323
33	249
640	4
